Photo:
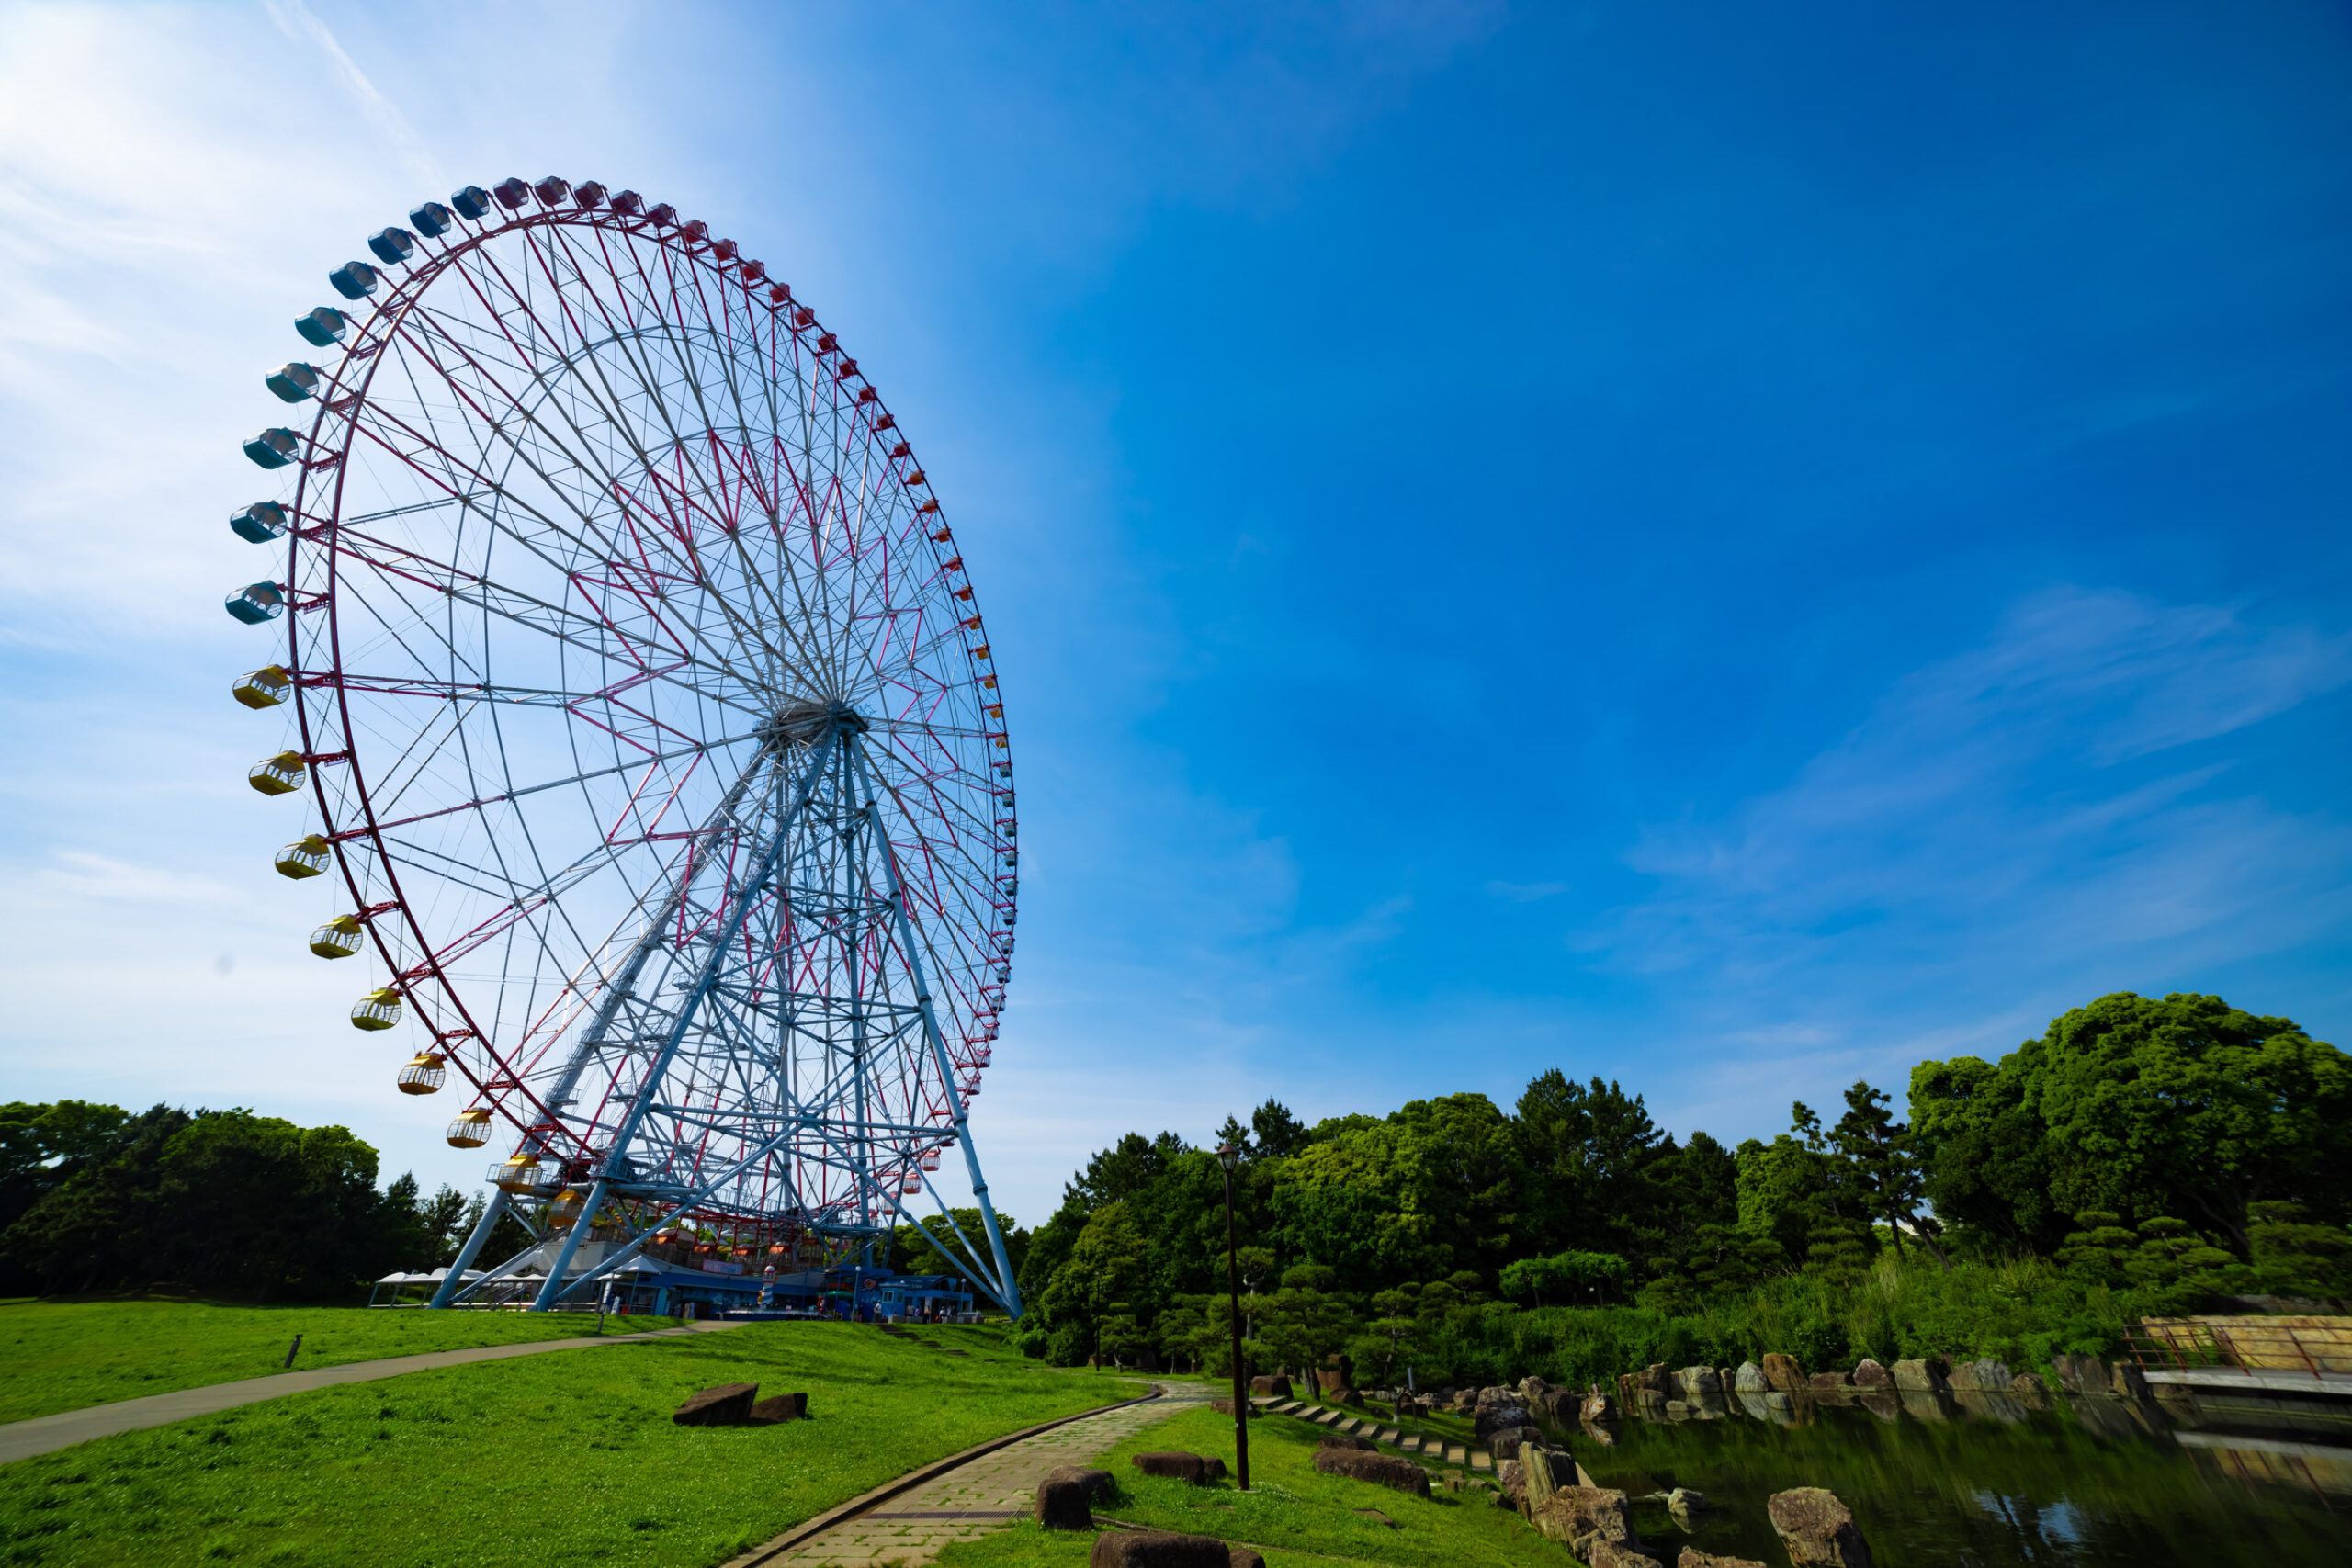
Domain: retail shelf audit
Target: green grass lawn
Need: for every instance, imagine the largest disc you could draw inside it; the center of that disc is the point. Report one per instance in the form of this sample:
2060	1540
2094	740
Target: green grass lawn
553	1461
1294	1514
64	1355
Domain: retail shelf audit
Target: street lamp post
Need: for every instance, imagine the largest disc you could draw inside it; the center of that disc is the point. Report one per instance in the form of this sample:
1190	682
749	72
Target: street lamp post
1229	1158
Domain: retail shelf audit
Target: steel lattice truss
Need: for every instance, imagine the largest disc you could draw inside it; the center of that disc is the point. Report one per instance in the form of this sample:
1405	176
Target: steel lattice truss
655	731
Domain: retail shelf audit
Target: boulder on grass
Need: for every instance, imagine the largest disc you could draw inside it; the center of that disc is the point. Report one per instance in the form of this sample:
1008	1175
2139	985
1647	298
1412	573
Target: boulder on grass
1870	1374
1392	1471
1543	1468
1349	1441
1617	1554
1271	1387
1783	1375
1511	1476
728	1405
1584	1517
1507	1443
1097	1482
1063	1505
1225	1408
1176	1466
1818	1529
779	1407
1244	1557
1158	1549
1497	1419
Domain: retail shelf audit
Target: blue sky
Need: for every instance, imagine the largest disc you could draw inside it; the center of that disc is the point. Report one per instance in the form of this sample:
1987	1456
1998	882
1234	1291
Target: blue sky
1731	548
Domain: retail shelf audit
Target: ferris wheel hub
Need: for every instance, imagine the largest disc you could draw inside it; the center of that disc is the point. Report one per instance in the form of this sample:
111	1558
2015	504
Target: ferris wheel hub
806	723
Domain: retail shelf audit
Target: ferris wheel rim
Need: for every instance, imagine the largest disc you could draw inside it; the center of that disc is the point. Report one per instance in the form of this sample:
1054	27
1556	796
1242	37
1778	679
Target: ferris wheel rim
371	824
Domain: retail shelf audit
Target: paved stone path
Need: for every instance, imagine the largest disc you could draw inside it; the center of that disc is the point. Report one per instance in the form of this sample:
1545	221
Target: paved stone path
982	1495
46	1434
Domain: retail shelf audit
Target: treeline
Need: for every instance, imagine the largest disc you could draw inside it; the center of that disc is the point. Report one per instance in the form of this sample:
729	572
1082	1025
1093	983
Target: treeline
2144	1155
94	1197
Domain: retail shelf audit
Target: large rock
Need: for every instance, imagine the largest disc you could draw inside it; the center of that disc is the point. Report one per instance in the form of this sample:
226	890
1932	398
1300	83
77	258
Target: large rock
1176	1466
1985	1376
1655	1379
1273	1387
1830	1383
1536	1464
779	1407
1063	1505
1616	1555
1582	1518
729	1404
1349	1441
1097	1482
1693	1558
1158	1549
2131	1383
1330	1381
1750	1379
1597	1407
1497	1419
2082	1374
1225	1408
1392	1471
1510	1440
1782	1374
1511	1476
1924	1377
1244	1557
1870	1374
1818	1529
1695	1382
1682	1503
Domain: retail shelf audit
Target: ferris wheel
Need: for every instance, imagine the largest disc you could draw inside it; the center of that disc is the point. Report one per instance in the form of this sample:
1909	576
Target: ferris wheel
636	682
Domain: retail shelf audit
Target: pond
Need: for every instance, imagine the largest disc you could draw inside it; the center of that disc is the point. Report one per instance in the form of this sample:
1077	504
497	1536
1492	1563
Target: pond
1986	1481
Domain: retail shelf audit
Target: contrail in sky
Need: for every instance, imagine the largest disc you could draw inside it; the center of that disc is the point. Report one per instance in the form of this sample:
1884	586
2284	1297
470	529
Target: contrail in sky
295	20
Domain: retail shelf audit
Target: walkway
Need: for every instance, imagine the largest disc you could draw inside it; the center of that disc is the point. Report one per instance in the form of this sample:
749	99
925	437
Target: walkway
46	1434
982	1494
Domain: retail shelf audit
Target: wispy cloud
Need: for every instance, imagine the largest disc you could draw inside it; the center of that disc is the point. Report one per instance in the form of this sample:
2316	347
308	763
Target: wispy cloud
2031	810
296	21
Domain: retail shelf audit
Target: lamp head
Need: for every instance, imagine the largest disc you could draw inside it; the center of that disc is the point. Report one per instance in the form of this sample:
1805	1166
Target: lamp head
1227	1156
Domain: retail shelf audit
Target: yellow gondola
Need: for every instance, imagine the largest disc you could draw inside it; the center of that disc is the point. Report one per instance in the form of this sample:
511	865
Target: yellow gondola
565	1208
339	938
281	775
265	688
519	1174
381	1009
471	1130
424	1074
308	858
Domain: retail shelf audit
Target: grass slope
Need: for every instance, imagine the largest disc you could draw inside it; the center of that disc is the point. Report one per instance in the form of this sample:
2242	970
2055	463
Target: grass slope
1294	1513
66	1355
555	1460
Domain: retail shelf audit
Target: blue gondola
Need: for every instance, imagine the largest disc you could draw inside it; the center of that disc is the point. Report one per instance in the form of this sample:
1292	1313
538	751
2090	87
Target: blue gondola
274	448
256	603
432	219
393	246
293	381
323	327
354	280
472	203
260	522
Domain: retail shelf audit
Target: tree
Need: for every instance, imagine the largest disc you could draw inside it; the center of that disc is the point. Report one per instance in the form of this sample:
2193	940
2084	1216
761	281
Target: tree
1101	1283
2147	1107
1885	1163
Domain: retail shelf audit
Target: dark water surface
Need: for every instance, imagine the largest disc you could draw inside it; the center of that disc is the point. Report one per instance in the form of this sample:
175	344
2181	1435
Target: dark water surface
1992	1483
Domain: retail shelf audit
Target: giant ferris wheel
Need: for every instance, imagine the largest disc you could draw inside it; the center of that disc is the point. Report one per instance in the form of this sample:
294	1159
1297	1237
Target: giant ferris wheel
636	683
